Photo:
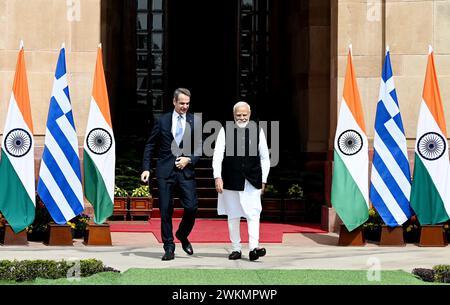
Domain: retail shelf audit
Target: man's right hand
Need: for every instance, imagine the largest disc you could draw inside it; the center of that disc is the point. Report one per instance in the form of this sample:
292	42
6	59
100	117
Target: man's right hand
144	176
219	185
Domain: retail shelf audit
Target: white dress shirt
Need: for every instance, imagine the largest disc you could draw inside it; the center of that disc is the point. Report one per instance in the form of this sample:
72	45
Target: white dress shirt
175	120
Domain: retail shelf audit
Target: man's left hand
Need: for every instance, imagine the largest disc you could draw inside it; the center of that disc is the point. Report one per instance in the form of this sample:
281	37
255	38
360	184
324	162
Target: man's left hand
263	188
181	162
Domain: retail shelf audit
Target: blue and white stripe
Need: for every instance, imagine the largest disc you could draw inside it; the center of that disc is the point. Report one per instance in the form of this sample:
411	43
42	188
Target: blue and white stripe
59	185
390	183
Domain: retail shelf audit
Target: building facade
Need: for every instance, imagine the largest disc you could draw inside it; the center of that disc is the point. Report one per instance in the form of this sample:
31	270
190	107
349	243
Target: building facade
286	58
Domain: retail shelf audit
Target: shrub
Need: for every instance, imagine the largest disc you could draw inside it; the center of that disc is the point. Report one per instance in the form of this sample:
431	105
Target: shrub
28	270
81	221
426	275
2	220
41	220
447	229
411	230
372	227
271	191
295	191
120	192
142	191
442	273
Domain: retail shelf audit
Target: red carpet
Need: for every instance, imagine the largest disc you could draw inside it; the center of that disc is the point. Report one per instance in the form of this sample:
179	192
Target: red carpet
216	231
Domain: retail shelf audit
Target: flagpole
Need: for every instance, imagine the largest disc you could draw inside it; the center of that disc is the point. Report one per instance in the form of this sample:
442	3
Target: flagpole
430	49
21	44
387	49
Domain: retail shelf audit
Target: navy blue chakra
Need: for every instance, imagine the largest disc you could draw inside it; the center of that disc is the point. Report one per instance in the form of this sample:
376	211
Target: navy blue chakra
431	146
350	142
18	142
99	141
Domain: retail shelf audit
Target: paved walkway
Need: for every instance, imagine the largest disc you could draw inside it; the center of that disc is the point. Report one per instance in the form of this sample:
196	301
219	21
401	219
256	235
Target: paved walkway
298	251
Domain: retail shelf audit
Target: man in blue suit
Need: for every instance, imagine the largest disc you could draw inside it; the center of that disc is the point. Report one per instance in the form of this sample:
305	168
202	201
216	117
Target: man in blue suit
178	152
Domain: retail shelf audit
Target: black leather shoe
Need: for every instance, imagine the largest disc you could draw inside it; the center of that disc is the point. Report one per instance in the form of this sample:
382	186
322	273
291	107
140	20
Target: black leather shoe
235	255
261	251
257	253
169	255
185	244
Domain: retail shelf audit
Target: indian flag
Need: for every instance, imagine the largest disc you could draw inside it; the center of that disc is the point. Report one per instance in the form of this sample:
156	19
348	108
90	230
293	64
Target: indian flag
430	191
17	179
350	190
99	149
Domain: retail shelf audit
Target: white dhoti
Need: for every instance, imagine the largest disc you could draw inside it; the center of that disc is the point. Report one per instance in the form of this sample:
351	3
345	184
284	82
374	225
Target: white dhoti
237	204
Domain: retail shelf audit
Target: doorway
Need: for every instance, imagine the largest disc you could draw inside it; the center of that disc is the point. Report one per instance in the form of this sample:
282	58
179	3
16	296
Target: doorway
202	54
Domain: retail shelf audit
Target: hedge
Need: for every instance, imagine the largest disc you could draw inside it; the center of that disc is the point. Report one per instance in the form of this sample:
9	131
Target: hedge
28	270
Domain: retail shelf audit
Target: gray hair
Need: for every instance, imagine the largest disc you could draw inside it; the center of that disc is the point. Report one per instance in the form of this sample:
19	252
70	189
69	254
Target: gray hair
179	91
241	104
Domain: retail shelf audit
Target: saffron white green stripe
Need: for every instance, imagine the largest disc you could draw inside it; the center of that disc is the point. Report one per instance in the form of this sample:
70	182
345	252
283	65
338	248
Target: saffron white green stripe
99	169
17	178
350	191
430	193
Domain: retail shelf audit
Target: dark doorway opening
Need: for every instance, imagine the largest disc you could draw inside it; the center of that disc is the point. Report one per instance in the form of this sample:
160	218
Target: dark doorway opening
201	54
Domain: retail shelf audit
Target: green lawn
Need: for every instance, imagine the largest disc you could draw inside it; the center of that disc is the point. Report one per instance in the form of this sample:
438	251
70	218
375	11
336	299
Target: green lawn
238	277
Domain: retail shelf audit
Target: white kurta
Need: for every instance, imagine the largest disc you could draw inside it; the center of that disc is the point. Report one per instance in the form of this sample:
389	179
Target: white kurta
246	203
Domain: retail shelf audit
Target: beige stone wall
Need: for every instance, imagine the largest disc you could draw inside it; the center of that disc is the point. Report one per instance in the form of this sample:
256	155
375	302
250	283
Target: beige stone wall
44	25
407	27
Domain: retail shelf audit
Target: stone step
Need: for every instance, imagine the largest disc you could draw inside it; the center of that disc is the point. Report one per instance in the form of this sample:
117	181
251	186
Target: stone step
272	210
201	213
212	213
202	163
202	203
202	192
202	172
201	182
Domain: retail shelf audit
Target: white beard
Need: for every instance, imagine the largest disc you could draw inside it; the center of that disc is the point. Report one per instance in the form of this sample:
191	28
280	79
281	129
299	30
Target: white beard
241	124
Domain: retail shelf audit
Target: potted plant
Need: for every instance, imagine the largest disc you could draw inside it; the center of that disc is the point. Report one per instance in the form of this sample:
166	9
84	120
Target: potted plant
120	202
2	227
271	203
79	225
447	230
294	204
141	202
411	230
372	227
37	231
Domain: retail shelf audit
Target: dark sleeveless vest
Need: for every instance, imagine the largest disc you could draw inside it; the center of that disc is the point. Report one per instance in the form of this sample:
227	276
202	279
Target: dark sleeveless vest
243	163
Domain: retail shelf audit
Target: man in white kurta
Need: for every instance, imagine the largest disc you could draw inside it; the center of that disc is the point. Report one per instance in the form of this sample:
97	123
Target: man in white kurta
246	202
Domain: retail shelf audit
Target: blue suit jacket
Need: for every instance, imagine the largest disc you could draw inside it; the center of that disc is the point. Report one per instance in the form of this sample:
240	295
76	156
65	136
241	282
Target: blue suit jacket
162	137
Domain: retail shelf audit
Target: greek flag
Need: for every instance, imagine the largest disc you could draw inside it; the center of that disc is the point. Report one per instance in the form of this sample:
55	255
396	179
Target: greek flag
390	183
59	185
